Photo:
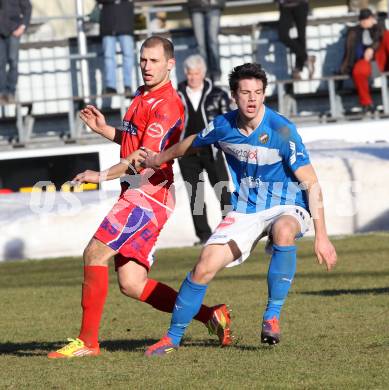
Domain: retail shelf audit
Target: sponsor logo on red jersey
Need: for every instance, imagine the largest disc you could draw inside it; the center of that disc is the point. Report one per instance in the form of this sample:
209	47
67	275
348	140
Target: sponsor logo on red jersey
155	130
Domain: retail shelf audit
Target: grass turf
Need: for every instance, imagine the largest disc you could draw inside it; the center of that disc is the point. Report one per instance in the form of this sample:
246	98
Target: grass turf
334	325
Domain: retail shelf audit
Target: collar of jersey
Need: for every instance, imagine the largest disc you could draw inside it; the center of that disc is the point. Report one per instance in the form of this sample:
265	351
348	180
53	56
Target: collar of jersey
256	129
155	92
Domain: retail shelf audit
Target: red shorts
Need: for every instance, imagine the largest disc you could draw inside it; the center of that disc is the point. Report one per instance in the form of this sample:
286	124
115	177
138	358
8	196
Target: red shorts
132	227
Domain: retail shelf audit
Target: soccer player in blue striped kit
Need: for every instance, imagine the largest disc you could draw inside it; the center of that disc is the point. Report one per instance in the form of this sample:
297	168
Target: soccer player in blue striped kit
276	194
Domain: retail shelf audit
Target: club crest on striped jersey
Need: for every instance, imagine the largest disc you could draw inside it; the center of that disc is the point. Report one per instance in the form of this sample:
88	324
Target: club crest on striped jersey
263	138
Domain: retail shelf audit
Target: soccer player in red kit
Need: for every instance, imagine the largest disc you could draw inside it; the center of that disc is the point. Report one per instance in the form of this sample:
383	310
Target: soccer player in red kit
129	232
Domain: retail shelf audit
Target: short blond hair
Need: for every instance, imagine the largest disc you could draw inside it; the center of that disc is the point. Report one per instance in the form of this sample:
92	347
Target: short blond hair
156	40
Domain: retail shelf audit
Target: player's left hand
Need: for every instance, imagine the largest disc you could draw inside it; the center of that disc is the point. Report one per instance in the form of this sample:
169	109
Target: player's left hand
134	161
139	157
325	252
87	177
151	159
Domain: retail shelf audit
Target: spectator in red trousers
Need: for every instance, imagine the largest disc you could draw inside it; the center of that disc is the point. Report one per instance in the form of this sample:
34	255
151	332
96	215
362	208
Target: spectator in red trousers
365	42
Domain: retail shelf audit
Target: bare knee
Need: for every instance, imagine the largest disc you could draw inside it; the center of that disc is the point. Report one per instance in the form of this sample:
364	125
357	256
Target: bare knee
284	231
213	258
97	253
132	284
204	271
131	290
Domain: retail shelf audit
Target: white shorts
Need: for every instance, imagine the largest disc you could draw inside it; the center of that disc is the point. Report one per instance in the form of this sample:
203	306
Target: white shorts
247	229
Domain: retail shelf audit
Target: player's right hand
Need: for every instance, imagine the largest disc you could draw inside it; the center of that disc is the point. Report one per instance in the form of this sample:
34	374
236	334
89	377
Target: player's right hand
93	118
325	252
87	177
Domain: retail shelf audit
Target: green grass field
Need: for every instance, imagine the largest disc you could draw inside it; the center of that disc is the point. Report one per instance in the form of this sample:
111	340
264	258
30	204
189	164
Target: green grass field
335	326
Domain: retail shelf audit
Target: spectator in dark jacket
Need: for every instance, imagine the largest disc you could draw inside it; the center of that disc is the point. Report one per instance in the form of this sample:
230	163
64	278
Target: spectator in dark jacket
295	12
117	24
365	42
14	18
205	15
202	102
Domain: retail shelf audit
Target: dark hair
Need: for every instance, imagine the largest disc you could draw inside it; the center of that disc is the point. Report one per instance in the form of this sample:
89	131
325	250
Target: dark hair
365	13
247	71
156	40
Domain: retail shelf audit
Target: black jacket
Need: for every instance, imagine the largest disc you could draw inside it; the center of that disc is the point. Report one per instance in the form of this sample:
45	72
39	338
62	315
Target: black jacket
14	13
354	47
116	17
203	5
214	101
290	3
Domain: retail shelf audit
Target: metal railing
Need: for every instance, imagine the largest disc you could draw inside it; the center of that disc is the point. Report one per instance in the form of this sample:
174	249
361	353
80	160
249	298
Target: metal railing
256	42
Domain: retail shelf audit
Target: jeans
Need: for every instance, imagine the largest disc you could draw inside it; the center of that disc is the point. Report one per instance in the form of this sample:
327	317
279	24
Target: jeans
206	29
297	15
9	54
127	48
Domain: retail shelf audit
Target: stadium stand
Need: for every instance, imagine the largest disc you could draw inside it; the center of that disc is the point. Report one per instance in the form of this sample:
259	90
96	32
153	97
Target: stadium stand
51	81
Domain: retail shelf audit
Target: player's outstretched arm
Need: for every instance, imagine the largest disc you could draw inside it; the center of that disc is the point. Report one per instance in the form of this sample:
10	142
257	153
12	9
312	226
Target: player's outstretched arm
155	160
324	249
88	176
127	166
95	120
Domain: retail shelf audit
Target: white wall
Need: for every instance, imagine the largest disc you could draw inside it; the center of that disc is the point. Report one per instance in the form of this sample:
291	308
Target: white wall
354	179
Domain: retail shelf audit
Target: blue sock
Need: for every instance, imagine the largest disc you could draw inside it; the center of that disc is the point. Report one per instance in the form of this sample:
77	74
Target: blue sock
188	303
279	279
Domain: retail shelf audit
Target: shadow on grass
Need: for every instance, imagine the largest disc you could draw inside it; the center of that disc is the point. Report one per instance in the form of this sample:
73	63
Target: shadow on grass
127	345
235	345
358	291
29	349
42	348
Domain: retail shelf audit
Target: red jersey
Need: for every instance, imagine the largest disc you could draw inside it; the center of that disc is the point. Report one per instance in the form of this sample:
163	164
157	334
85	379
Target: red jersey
154	120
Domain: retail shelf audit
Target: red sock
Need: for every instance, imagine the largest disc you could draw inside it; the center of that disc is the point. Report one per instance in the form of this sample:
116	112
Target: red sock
94	292
163	298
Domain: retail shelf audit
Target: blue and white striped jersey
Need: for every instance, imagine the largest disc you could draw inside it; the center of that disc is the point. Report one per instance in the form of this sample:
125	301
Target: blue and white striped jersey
261	164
